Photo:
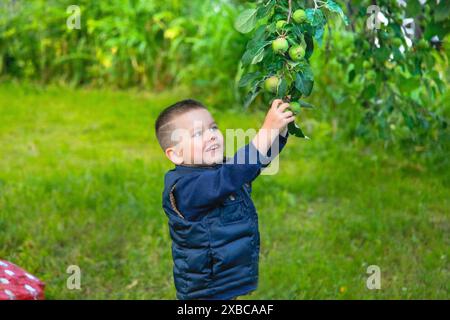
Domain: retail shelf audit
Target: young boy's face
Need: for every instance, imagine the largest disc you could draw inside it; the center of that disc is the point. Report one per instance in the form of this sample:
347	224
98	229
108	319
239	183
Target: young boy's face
200	140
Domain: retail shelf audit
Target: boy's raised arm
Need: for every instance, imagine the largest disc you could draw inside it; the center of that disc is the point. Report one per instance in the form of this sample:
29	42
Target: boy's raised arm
276	120
197	193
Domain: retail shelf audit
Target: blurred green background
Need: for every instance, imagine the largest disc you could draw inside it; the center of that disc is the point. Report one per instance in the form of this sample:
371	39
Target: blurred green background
81	173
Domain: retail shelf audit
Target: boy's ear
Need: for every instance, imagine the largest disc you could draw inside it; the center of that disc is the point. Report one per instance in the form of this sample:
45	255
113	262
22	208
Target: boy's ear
175	155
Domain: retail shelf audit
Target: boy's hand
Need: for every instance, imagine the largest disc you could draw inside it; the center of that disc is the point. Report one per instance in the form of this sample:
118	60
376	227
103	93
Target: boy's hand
276	121
277	117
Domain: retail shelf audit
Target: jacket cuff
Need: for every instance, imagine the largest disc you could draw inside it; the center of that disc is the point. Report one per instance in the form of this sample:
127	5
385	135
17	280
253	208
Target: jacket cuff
249	155
256	157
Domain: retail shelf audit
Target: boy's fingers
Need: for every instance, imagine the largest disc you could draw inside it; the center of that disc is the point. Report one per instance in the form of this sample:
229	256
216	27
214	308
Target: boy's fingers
288	114
290	119
283	107
276	103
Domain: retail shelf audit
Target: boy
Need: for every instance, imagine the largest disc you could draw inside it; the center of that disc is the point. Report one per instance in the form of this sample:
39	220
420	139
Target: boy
212	220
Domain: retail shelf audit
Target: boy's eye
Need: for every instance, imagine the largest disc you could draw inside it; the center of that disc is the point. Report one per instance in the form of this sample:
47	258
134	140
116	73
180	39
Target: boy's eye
199	133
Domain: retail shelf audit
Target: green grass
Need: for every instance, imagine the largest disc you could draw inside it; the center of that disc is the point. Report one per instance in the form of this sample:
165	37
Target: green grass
81	177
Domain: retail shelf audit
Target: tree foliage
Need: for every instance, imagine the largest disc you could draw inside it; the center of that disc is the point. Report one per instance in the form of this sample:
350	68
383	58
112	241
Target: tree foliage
281	48
396	69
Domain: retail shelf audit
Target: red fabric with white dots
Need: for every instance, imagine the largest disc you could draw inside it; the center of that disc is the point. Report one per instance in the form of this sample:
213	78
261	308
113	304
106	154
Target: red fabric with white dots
17	284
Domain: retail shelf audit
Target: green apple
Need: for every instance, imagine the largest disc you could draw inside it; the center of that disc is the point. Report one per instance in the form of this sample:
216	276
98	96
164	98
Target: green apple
423	44
371	75
280	45
299	16
295	107
397	42
271	84
296	52
280	24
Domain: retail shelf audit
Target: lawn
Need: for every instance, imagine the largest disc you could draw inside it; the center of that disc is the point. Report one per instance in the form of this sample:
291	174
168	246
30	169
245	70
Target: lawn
81	177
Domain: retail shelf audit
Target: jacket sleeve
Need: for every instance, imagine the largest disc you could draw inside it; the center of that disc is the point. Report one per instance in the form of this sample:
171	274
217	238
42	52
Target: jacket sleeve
276	148
197	193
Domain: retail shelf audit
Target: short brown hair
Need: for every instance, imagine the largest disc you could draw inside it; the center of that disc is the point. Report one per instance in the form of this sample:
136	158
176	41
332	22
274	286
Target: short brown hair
164	129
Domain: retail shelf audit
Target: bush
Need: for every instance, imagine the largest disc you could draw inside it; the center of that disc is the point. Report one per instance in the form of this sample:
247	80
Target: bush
150	44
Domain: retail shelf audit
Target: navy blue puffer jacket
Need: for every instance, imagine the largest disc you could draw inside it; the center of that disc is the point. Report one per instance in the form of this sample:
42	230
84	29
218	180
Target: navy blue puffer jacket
213	225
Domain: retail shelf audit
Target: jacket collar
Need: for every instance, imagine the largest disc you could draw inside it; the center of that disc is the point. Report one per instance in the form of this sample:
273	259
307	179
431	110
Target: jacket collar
183	167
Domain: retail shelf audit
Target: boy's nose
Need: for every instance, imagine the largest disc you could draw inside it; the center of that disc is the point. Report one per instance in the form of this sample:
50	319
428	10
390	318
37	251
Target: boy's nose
212	136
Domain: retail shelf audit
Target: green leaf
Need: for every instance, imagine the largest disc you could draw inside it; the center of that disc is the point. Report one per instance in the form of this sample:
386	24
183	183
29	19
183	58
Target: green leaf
440	29
258	57
305	104
318	35
246	21
398	55
381	54
437	80
254	54
258	37
251	96
307	71
369	92
282	88
265	9
248	78
408	120
309	46
351	75
442	12
413	8
317	21
408	84
315	17
304	82
295	130
334	7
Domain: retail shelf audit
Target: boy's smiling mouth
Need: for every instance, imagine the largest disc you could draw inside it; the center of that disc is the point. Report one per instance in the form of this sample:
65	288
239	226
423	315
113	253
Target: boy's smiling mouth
213	147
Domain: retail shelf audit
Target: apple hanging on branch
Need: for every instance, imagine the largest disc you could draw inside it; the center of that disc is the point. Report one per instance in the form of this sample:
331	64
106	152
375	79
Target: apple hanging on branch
276	60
